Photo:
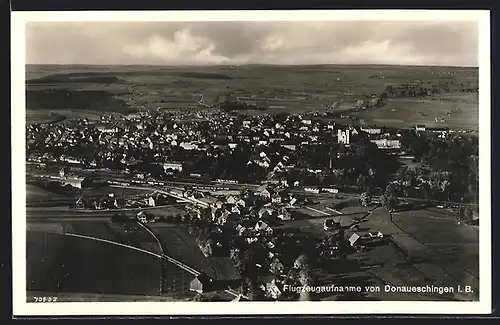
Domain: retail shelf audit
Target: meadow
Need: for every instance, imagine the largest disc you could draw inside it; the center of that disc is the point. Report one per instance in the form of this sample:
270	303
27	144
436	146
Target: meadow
423	247
74	91
454	246
59	263
181	245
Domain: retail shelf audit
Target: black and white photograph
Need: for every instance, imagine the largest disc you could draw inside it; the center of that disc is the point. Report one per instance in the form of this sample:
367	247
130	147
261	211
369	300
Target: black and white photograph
163	161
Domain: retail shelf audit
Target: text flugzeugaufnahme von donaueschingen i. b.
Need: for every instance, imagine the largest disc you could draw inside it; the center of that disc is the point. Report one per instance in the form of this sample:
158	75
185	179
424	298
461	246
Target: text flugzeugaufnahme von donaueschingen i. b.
386	288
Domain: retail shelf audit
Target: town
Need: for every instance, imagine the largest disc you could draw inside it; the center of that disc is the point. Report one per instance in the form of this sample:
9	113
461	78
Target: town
248	186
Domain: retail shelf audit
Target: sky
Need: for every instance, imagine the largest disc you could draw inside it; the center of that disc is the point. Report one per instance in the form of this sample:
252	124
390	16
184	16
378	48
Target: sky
453	43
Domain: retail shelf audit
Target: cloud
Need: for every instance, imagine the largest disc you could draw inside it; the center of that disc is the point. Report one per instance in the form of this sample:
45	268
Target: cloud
184	48
343	42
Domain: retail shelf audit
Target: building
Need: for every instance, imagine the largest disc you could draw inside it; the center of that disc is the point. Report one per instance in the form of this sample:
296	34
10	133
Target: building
343	137
173	165
276	198
284	215
202	284
77	181
265	213
263	192
263	228
311	190
438	130
270	286
82	203
353	239
420	128
331	224
387	143
145	218
107	129
141	217
371	130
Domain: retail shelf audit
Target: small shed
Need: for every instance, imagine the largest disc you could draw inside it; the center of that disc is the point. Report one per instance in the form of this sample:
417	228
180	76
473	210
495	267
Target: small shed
202	283
353	239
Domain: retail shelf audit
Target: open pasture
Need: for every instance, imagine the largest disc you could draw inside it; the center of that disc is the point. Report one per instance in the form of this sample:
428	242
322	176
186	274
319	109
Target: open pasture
432	228
178	243
34	192
58	115
452	243
454	114
61	263
277	88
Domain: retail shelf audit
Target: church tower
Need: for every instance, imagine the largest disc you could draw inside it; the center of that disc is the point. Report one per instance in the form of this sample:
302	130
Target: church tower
62	173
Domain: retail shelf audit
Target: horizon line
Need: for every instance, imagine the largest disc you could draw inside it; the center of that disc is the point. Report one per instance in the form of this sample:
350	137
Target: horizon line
254	64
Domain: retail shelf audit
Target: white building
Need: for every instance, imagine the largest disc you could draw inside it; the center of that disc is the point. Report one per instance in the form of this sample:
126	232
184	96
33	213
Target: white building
172	165
343	137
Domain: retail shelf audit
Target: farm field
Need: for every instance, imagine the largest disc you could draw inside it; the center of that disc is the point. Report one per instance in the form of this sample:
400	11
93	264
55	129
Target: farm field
457	246
459	111
179	244
81	90
61	263
418	252
58	115
54	269
165	212
128	233
34	192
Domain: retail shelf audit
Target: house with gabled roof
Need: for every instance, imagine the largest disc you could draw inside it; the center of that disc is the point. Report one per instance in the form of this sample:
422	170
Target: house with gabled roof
265	213
270	285
263	192
276	267
263	228
241	203
284	215
353	239
236	209
223	216
276	198
82	203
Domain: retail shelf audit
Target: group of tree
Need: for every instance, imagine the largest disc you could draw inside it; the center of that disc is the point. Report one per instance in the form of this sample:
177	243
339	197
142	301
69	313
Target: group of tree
362	165
420	89
304	275
455	155
411	90
365	199
390	197
466	214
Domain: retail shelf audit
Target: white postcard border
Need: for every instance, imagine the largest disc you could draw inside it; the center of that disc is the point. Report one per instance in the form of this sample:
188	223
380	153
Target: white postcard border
22	308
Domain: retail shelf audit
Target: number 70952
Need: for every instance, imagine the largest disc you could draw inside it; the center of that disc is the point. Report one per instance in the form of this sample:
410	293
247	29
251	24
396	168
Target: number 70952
45	299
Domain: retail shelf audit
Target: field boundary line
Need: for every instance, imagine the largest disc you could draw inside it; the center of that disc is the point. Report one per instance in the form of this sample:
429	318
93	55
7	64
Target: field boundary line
429	250
166	257
113	243
318	211
337	212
